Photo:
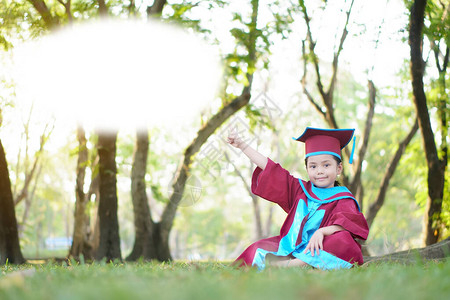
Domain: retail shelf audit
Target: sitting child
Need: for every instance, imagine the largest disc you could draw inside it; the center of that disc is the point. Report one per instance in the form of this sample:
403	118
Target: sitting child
323	218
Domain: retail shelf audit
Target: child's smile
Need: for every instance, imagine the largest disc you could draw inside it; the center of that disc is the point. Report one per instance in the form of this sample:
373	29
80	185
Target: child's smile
323	170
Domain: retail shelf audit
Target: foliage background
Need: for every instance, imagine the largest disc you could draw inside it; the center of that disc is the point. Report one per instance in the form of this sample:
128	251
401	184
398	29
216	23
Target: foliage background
220	223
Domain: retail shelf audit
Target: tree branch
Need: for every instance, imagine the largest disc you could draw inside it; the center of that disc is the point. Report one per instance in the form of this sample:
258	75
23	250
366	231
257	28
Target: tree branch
327	96
365	140
338	52
312	45
303	81
67	6
203	134
43	10
156	9
30	175
376	206
208	129
102	8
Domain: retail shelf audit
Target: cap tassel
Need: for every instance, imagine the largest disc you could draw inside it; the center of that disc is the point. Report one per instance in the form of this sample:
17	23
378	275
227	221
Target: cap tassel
353	151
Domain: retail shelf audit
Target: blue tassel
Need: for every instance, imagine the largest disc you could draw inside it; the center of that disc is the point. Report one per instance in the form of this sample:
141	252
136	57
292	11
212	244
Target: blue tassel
353	151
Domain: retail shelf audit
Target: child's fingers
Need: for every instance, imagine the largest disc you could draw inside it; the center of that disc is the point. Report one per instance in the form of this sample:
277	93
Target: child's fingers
315	249
319	246
314	246
309	247
232	133
306	249
231	136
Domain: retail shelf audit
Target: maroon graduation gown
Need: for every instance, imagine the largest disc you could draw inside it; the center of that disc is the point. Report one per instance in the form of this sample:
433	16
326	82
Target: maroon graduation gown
309	208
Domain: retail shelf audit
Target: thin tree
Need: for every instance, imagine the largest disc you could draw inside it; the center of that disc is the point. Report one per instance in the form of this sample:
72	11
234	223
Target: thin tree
30	170
144	227
81	244
376	205
10	251
436	166
327	110
437	32
259	231
160	231
144	243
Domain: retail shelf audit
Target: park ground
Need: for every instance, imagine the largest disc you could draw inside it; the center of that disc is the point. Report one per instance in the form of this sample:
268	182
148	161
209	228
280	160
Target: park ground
218	280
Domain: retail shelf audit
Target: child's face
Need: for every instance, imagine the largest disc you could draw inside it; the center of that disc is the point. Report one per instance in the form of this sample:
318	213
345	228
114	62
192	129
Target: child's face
323	170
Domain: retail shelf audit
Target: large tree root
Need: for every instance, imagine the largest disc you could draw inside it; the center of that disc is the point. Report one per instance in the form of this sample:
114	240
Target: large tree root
436	252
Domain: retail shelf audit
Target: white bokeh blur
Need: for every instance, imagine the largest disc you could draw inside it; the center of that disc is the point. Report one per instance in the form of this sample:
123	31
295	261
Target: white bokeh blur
116	74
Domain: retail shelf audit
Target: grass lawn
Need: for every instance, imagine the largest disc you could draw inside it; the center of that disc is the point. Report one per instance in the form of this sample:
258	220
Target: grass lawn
215	281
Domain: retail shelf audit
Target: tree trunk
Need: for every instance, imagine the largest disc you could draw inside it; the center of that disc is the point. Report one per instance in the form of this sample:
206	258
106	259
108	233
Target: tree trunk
257	213
80	244
269	221
149	242
102	8
161	239
163	228
443	109
144	245
28	201
255	201
9	236
94	235
156	8
109	247
436	168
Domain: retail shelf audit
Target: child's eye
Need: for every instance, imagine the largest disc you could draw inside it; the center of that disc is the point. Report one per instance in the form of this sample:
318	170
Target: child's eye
327	165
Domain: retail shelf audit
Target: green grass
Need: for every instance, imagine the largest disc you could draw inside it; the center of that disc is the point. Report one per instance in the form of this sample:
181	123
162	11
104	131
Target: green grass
219	281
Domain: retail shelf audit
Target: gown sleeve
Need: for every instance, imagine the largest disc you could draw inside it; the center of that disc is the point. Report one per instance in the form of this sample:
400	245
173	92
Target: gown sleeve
347	215
276	185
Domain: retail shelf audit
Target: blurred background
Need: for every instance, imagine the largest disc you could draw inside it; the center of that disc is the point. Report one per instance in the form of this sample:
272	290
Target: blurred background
114	121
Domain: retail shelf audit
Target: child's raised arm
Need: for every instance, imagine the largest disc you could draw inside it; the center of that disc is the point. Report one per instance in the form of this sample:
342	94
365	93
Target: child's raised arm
256	157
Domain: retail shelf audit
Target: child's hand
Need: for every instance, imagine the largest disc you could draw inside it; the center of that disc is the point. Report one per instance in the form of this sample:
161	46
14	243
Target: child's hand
315	243
234	139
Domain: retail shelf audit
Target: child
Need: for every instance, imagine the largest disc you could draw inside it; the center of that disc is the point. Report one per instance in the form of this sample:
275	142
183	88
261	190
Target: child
323	218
